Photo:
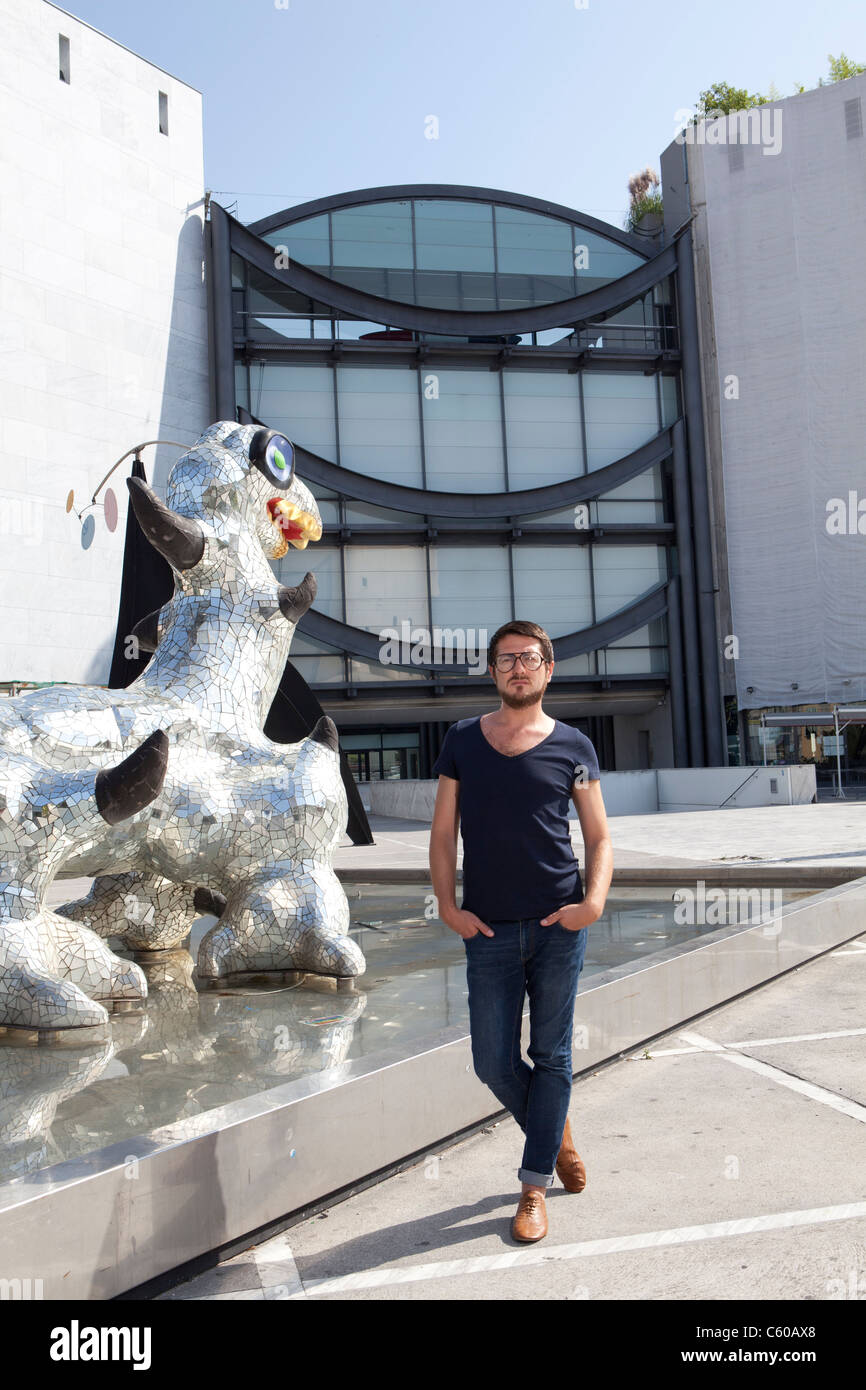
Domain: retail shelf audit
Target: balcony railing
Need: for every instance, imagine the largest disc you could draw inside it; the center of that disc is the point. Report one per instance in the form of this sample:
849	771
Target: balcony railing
626	337
603	337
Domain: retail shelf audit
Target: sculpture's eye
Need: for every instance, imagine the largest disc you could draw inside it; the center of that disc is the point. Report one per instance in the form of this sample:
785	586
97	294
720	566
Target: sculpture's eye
274	455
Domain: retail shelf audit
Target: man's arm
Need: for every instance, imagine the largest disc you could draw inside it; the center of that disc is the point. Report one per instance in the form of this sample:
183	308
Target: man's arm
589	804
443	845
443	861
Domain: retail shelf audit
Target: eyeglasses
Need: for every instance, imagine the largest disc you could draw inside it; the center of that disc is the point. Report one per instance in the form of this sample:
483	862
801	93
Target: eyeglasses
530	660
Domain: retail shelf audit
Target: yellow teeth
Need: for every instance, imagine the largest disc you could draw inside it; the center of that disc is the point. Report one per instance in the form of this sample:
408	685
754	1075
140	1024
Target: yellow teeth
296	526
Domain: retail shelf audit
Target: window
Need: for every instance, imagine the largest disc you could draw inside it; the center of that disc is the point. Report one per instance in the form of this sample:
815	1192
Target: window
163	113
621	412
381	756
64	58
380	432
456	253
853	119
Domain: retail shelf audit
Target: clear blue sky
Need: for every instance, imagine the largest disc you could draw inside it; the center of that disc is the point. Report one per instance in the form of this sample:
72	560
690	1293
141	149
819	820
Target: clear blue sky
532	96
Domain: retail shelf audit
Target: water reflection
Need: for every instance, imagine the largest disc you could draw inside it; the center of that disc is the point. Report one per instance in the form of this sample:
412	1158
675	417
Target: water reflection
194	1049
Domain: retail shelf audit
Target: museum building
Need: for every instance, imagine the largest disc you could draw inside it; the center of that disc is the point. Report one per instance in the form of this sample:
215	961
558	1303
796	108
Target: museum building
495	400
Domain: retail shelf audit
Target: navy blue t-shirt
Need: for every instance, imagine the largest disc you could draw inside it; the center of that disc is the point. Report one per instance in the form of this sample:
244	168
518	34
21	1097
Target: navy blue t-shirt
518	859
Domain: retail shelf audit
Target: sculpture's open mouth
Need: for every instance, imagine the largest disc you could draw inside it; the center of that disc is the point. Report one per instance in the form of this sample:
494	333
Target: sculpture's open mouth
296	527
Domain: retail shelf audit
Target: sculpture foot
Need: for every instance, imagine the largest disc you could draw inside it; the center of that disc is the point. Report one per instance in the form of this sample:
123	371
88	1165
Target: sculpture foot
31	1000
57	976
222	952
145	911
330	955
85	960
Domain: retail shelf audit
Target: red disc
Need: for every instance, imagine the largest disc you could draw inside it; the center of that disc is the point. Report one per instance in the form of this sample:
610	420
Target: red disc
109	507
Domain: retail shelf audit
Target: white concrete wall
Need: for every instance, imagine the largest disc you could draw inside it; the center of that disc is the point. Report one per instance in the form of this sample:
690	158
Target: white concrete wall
103	314
637	793
782	292
628	793
409	799
709	788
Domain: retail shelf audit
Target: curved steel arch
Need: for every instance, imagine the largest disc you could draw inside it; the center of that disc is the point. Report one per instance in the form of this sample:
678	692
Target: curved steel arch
487	506
367	646
375	309
466	193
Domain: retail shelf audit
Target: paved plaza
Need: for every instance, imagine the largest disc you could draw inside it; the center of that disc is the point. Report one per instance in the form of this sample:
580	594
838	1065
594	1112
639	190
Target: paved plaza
724	1161
829	833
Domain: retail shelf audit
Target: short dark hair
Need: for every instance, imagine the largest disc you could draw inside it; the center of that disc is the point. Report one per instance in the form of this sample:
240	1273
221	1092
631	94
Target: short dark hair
524	629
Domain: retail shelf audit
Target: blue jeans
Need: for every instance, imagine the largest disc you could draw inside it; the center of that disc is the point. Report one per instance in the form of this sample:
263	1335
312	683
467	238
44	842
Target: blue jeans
523	957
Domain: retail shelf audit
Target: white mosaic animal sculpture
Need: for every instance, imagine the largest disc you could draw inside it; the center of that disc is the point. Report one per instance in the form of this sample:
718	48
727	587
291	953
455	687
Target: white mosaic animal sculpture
168	791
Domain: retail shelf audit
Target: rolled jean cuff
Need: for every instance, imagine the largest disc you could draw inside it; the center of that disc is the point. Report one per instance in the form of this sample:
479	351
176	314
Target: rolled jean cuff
535	1179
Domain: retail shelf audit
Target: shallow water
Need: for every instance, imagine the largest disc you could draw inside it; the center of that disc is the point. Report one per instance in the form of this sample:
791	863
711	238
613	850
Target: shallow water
194	1049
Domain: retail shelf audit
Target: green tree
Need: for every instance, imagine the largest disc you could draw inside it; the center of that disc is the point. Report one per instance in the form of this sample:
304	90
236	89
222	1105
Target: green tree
721	99
840	68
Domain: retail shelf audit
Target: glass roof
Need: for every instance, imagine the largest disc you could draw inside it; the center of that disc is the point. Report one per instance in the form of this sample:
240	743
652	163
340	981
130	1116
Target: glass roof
455	254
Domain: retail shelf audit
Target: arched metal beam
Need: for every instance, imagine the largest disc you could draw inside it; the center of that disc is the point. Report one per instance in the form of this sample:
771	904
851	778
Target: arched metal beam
466	193
486	505
483	506
367	645
652	604
375	309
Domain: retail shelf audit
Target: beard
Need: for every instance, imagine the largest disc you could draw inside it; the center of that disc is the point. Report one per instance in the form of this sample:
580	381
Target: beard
519	699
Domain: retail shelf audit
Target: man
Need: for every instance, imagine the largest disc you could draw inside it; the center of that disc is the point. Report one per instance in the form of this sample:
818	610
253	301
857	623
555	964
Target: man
506	779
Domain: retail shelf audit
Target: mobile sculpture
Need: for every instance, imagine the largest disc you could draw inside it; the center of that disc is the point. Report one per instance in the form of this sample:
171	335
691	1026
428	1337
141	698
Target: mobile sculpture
167	792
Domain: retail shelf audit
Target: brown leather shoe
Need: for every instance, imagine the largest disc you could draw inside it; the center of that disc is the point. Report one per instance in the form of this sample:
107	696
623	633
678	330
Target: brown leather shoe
569	1164
530	1222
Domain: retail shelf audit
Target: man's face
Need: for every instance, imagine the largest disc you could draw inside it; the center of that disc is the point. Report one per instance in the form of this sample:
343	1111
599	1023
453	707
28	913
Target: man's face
520	687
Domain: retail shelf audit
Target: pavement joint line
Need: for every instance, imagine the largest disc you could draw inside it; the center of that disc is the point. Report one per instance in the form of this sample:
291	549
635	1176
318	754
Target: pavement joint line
284	1280
755	1042
783	1078
610	1245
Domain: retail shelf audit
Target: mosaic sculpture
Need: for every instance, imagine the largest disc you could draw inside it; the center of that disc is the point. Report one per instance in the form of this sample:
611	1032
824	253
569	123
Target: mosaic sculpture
168	792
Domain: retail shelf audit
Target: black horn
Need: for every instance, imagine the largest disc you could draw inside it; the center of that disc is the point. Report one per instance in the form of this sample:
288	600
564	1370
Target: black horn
125	789
178	539
295	602
325	732
146	631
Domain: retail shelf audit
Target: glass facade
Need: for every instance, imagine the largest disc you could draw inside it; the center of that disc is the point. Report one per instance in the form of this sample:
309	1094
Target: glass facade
454	253
459	430
466	415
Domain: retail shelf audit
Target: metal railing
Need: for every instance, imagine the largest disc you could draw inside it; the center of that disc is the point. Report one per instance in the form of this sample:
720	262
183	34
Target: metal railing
628	337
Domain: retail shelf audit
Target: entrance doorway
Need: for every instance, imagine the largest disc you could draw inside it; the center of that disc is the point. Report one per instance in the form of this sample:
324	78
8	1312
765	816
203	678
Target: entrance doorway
382	756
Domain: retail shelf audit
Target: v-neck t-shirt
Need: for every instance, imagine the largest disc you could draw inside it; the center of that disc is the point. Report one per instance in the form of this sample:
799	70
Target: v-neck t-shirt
518	860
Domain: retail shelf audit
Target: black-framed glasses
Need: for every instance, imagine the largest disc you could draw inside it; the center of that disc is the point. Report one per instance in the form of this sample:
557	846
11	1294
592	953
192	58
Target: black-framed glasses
531	660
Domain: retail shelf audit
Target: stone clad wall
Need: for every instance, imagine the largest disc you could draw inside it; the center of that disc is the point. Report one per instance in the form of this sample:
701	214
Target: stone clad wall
638	793
103	321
